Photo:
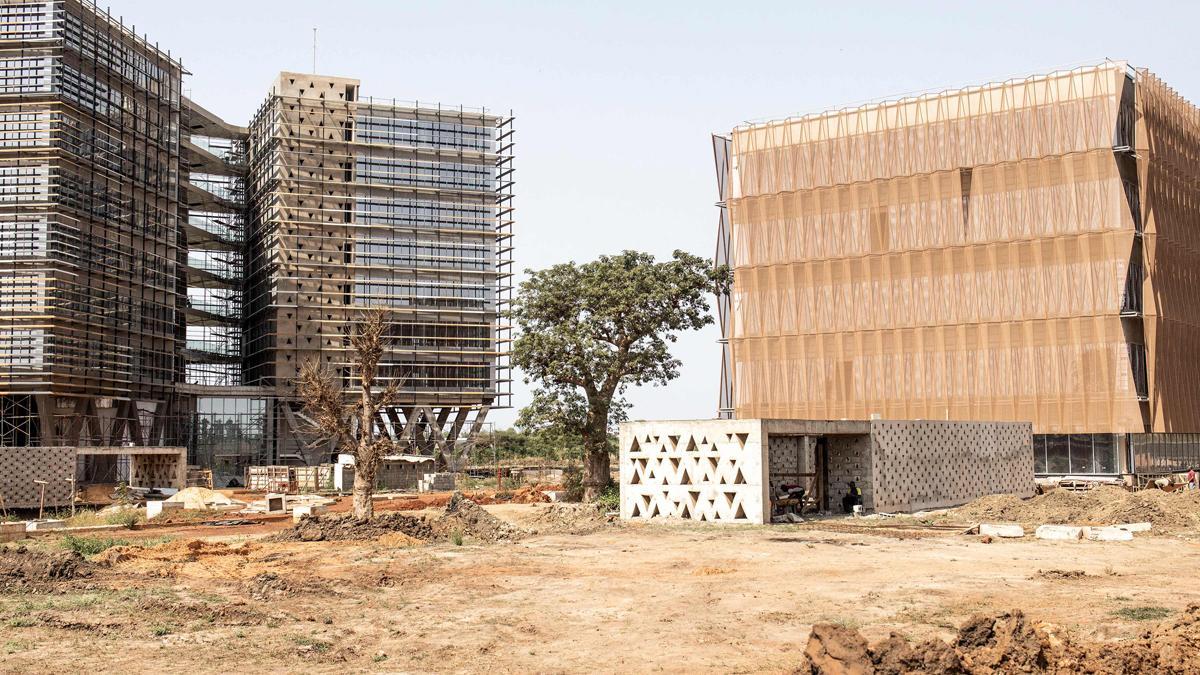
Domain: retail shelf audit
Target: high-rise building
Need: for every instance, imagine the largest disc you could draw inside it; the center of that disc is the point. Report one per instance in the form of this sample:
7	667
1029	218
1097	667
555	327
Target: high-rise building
90	282
1017	251
359	202
164	273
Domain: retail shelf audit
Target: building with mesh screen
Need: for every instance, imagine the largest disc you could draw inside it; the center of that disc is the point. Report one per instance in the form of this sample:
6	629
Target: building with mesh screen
1016	251
164	272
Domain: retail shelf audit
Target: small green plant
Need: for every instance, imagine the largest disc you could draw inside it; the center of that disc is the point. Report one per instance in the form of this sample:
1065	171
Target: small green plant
21	622
129	518
457	537
14	646
241	635
161	630
1144	613
90	546
610	498
379	657
320	646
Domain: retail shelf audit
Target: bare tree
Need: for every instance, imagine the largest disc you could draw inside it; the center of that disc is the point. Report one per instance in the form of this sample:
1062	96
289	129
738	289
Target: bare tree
332	410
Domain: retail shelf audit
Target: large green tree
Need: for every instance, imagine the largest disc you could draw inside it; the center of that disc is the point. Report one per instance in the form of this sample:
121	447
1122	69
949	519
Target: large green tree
589	331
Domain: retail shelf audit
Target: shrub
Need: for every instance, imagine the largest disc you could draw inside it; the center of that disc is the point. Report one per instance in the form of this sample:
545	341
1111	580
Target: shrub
129	518
1149	613
90	546
610	498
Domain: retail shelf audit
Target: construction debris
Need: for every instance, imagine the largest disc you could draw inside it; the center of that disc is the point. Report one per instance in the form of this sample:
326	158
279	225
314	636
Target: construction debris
1003	531
1059	532
1108	534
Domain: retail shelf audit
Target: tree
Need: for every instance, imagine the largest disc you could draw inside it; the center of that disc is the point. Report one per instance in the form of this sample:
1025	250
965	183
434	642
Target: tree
348	418
554	421
589	331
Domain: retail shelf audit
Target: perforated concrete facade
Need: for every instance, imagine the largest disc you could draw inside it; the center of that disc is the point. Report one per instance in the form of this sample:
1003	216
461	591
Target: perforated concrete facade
928	464
710	470
720	470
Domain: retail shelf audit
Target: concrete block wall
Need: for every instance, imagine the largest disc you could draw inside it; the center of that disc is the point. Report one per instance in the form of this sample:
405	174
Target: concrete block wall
19	467
710	470
850	460
930	464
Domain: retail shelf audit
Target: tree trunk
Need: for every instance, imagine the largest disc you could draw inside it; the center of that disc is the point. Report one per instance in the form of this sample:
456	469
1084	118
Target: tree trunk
364	487
595	456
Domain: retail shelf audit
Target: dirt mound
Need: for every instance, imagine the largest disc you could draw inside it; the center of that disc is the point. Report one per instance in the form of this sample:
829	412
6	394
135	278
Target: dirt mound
1105	505
462	516
179	551
465	517
21	567
1007	643
572	519
349	528
532	494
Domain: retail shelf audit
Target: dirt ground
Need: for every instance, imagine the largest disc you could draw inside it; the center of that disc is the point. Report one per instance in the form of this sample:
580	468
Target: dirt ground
580	595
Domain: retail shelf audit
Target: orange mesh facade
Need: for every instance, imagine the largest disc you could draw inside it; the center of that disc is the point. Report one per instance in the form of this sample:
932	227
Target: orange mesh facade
971	255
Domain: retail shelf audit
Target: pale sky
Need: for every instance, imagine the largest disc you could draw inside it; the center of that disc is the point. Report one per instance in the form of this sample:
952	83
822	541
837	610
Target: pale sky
615	102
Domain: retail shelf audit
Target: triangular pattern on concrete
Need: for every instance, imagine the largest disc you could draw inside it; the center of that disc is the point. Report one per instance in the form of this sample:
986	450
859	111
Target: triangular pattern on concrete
675	472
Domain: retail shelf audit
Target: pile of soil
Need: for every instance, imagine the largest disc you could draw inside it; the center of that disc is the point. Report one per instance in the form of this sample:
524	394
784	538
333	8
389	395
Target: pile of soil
1105	505
178	551
472	521
348	528
22	568
461	516
532	494
1007	643
572	519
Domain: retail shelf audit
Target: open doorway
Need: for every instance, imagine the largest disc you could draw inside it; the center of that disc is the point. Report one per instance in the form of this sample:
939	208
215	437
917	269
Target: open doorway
817	474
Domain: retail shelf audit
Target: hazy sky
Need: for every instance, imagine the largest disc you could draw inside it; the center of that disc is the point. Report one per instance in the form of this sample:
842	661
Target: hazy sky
615	102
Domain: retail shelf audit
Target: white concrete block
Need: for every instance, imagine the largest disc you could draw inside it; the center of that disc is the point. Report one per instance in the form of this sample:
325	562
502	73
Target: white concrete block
302	510
1134	527
276	503
1004	531
1109	534
1060	532
157	508
38	525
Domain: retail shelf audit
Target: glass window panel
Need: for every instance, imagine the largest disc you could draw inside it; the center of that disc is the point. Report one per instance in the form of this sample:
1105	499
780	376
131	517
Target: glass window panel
1081	453
1039	454
1105	453
1058	460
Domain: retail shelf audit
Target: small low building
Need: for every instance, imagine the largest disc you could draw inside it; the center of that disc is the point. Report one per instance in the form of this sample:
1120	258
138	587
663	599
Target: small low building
739	470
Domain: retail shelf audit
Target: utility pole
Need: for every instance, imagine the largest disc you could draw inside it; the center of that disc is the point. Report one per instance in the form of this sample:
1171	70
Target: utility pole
314	50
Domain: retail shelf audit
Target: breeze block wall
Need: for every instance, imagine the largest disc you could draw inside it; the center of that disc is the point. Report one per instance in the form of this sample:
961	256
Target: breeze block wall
930	464
20	467
709	470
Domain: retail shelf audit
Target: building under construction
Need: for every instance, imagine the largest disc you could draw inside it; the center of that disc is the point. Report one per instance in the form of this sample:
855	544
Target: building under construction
164	273
90	245
360	203
1016	251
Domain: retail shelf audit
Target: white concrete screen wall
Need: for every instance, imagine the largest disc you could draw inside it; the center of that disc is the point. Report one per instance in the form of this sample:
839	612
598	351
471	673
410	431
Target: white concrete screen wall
710	470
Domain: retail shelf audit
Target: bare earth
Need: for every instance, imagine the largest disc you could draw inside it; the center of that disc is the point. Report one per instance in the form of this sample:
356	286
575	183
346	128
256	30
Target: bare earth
670	598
